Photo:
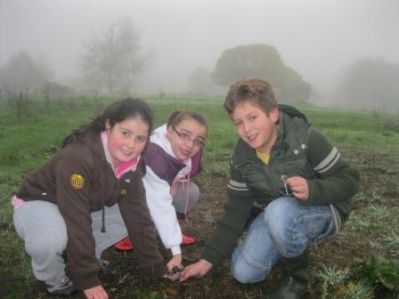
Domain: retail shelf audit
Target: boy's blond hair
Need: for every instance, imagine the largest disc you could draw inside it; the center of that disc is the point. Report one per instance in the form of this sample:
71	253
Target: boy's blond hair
253	90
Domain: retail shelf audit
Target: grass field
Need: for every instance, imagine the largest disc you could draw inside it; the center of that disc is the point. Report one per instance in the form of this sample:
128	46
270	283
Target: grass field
362	262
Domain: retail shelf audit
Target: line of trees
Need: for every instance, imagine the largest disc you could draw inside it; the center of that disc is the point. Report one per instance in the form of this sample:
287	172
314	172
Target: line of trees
368	83
112	60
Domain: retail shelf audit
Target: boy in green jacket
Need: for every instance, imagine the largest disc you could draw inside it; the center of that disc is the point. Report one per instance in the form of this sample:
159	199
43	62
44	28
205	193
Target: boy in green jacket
287	182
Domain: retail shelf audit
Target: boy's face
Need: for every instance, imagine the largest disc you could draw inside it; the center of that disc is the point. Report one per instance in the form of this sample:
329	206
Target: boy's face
255	126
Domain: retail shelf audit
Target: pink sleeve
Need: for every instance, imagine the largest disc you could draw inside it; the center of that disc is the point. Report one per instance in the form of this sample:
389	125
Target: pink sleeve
17	202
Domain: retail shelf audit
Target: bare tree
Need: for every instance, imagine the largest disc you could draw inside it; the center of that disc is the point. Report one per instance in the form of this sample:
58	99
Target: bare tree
113	59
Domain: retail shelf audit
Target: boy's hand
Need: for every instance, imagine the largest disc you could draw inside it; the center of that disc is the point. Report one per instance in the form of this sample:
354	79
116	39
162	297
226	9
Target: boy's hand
198	269
96	292
299	187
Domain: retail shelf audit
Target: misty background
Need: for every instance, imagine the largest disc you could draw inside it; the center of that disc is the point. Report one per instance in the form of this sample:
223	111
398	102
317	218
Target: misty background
320	40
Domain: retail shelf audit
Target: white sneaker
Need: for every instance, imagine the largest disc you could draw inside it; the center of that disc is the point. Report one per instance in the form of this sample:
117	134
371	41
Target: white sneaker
104	265
63	287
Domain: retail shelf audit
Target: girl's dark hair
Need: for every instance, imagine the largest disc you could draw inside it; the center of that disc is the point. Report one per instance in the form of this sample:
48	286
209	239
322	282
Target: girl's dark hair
254	90
178	116
114	113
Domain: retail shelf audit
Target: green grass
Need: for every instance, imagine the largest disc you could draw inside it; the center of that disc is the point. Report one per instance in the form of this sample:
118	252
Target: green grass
370	141
363	130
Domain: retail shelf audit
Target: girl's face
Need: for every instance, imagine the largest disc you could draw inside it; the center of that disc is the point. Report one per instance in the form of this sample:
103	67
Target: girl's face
126	139
256	127
186	138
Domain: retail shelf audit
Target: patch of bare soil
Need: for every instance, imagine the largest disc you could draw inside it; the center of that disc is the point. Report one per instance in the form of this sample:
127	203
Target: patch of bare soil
124	280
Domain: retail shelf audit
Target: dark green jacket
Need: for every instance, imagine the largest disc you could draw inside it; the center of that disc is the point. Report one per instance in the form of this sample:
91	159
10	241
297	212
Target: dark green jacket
299	150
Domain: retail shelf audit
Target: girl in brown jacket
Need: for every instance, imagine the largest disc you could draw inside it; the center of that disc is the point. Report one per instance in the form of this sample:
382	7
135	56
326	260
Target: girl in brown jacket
99	167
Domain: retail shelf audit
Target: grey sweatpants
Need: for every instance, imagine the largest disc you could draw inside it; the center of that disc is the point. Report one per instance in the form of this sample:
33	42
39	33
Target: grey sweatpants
41	226
183	201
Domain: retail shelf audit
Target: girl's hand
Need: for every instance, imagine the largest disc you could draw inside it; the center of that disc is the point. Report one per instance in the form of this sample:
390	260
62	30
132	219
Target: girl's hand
96	292
174	268
174	274
174	262
299	187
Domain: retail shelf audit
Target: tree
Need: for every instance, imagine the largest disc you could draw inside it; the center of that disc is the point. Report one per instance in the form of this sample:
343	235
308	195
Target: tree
264	62
113	59
22	73
371	83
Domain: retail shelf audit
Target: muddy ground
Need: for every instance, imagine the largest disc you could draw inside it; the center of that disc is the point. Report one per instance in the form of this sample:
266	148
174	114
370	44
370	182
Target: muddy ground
124	280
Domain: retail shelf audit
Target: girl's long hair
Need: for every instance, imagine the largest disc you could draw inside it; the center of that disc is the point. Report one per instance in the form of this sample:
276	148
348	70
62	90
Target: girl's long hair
114	113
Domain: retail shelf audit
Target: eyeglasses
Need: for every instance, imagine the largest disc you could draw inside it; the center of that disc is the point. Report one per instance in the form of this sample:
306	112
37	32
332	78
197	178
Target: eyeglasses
185	137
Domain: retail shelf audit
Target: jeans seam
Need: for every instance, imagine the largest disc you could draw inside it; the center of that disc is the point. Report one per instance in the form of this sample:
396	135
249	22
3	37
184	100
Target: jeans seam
295	221
329	232
336	218
251	261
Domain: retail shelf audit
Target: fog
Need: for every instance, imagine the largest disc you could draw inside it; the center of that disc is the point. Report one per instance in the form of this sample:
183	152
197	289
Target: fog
317	38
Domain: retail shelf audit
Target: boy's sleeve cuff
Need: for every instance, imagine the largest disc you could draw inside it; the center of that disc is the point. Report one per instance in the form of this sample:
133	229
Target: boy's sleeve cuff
211	256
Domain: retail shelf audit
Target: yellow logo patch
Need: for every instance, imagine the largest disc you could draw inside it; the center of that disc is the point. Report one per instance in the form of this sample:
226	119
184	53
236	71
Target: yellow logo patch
123	192
77	181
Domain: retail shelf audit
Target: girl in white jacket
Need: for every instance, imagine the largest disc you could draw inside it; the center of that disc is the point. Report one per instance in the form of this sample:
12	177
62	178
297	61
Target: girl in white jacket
173	156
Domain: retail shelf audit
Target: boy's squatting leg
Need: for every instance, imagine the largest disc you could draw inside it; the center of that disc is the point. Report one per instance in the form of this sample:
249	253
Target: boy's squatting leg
284	230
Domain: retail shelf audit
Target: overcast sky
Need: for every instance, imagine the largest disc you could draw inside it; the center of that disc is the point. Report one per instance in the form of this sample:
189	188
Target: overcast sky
317	38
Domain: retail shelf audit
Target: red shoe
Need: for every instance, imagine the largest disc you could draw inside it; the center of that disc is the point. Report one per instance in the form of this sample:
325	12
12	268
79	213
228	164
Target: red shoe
124	245
187	241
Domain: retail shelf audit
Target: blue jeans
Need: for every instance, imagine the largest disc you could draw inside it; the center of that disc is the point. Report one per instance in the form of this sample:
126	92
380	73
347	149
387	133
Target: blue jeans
284	229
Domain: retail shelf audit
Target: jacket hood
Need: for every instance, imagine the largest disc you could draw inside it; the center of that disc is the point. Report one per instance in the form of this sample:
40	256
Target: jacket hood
292	112
159	137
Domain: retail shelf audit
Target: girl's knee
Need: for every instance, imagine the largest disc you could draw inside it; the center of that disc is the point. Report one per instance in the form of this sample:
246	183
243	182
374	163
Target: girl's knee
46	245
194	193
